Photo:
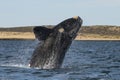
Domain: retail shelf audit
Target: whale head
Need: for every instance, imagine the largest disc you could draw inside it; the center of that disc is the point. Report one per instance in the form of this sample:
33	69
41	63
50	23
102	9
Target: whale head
70	26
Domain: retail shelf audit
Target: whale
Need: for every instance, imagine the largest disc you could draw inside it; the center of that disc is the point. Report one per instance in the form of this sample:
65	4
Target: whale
54	43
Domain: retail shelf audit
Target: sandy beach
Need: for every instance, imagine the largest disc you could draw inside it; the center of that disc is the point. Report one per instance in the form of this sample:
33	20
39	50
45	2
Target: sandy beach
30	35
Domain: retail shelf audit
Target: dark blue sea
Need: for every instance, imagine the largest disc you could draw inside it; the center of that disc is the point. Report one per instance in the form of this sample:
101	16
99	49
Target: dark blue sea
85	60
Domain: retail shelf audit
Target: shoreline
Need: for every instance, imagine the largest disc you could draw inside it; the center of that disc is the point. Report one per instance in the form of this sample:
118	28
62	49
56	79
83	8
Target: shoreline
30	36
94	39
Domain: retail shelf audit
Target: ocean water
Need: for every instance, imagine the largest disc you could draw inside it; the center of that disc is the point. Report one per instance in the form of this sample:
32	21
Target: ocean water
85	60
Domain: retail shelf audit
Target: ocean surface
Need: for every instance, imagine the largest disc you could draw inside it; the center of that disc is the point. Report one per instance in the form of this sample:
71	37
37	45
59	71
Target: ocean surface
85	60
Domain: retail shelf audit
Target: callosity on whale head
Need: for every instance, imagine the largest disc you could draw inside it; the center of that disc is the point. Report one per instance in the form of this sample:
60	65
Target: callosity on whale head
55	43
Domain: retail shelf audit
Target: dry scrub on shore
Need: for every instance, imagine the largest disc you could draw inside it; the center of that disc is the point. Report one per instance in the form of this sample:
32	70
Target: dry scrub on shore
16	35
30	35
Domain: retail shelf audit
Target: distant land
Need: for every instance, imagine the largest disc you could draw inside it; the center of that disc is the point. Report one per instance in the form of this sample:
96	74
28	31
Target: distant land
98	32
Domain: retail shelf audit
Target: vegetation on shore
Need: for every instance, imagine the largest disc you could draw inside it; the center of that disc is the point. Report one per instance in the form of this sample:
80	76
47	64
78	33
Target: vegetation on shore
85	33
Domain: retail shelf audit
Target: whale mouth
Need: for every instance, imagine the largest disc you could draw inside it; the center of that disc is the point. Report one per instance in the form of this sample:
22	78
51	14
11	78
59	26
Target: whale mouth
75	27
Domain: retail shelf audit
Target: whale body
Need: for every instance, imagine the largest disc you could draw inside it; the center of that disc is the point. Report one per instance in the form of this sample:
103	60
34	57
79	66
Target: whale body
54	43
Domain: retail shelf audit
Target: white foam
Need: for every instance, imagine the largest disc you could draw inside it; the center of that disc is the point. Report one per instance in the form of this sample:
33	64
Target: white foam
15	65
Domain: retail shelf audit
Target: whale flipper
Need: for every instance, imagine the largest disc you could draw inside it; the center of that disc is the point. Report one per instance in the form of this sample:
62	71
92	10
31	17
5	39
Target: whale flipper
41	32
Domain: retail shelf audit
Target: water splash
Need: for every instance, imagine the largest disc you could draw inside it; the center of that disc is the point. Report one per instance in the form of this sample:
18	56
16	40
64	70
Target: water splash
15	65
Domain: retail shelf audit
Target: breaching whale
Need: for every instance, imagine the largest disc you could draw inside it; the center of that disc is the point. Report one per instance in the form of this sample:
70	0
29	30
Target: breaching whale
50	52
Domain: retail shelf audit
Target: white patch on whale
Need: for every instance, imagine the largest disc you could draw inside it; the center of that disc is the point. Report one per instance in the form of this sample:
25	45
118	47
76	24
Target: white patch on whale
61	30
